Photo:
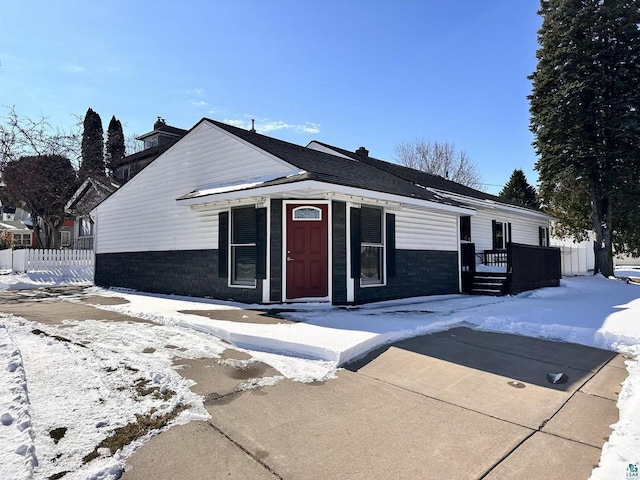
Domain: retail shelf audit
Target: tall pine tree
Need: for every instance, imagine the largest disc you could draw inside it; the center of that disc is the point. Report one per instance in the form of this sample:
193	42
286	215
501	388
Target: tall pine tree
517	189
92	163
584	109
115	149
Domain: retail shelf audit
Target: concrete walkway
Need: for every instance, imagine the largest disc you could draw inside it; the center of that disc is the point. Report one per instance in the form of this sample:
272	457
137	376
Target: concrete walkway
460	404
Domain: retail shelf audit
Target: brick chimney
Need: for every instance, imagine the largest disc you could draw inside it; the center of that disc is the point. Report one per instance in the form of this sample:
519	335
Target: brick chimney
160	122
362	152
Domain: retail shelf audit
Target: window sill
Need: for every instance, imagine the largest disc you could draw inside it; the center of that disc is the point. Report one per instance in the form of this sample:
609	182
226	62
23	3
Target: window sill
234	285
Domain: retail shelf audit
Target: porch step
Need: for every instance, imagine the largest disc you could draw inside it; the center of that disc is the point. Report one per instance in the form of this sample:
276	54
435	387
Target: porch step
489	284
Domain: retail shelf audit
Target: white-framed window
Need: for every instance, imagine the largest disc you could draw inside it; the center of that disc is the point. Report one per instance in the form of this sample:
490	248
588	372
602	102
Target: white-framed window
243	246
371	246
501	235
307	213
544	237
22	239
65	238
85	227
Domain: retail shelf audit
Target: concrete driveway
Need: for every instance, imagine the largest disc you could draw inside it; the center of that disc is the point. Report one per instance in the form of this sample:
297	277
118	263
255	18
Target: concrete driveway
459	404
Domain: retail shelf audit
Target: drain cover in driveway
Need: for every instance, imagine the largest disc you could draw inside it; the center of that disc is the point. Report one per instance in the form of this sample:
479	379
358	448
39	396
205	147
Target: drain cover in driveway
516	384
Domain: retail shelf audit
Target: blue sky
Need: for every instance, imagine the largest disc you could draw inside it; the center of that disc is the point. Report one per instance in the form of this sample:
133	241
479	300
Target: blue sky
348	73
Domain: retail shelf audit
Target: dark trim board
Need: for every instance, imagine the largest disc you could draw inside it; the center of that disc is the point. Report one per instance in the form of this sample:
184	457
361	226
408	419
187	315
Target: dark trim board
418	273
178	272
339	252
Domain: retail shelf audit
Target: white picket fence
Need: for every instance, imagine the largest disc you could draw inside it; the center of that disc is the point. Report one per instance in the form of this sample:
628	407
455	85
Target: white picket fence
28	260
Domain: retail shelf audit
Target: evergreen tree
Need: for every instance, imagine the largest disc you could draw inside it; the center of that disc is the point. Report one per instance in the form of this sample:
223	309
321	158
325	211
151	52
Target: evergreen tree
584	109
115	149
519	190
92	162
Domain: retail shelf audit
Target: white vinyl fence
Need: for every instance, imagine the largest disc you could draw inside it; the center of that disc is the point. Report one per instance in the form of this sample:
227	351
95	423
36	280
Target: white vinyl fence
6	260
28	260
577	259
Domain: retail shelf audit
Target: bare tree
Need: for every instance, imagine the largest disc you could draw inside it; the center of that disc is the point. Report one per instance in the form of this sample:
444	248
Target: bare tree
132	144
24	136
37	174
439	158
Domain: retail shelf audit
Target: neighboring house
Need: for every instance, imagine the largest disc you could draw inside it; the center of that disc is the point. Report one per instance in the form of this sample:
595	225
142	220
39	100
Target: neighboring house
155	143
92	191
95	189
232	214
67	233
21	235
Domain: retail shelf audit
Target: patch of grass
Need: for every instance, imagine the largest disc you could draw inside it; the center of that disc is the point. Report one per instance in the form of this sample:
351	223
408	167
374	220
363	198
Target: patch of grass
37	331
57	434
58	475
143	388
132	431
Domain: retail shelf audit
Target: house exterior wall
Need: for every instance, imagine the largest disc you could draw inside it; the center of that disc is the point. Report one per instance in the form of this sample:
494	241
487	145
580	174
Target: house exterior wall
524	229
418	273
179	272
144	215
421	230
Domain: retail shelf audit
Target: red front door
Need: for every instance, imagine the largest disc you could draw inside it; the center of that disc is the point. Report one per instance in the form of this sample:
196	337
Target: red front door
306	251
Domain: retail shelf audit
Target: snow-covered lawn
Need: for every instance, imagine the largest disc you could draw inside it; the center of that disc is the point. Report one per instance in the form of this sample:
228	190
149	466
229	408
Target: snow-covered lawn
64	389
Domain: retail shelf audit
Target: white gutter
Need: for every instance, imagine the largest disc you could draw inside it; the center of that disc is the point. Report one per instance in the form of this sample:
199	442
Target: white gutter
492	204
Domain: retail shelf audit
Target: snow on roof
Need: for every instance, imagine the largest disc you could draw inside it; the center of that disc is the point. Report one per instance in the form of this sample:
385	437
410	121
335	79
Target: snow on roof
237	185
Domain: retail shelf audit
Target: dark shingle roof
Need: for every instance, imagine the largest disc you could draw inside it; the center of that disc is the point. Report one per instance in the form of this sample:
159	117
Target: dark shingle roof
422	178
334	169
153	153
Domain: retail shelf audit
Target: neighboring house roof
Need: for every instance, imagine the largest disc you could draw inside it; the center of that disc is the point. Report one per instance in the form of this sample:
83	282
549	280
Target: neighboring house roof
166	129
326	168
14	226
146	154
92	191
424	179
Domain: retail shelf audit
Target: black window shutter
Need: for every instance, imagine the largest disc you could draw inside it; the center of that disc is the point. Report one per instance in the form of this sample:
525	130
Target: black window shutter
391	245
370	225
494	234
261	243
244	225
508	239
541	236
223	243
355	242
546	234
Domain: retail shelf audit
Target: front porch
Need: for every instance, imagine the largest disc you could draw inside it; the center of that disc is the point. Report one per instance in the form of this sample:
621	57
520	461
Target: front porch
511	271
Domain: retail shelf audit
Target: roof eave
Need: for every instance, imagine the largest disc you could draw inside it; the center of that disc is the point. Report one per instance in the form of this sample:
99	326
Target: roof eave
330	190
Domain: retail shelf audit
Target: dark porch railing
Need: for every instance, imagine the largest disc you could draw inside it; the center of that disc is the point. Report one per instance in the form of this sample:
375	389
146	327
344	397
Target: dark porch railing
494	258
82	243
526	267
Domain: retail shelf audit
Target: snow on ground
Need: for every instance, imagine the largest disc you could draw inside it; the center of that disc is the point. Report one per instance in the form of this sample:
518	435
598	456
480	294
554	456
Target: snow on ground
92	389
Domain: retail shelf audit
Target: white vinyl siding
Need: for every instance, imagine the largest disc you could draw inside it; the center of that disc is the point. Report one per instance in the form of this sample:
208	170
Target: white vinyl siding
144	215
424	230
523	229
